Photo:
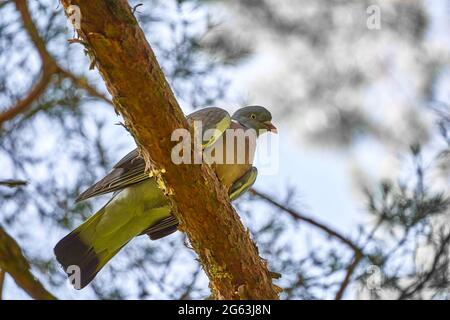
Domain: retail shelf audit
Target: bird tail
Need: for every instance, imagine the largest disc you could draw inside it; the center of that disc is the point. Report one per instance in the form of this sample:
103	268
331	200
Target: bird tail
76	253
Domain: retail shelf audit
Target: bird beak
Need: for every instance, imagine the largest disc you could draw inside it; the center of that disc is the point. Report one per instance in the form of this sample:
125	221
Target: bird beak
270	127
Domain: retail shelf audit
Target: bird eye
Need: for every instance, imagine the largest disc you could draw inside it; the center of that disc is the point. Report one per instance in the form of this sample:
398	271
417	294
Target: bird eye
253	116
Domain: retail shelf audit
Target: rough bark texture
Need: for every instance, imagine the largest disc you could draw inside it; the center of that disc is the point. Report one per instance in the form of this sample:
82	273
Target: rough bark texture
143	97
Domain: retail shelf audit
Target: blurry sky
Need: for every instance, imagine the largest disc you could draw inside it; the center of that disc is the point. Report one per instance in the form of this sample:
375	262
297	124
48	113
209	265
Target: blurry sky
324	176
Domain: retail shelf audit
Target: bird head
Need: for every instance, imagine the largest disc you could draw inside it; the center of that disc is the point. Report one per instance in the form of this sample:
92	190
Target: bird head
255	117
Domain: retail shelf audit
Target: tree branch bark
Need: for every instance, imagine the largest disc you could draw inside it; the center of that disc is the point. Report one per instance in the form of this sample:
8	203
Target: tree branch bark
15	264
143	97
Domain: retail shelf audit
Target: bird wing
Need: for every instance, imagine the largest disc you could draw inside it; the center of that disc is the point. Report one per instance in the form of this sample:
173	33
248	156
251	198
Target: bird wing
210	118
162	228
128	171
241	185
131	168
